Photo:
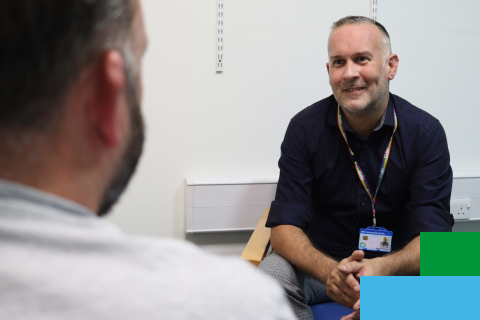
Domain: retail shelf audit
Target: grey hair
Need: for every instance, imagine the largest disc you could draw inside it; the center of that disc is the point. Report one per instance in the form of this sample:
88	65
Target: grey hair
45	45
387	47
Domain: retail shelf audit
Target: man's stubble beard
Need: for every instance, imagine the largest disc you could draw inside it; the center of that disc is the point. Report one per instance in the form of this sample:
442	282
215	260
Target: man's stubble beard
374	104
129	161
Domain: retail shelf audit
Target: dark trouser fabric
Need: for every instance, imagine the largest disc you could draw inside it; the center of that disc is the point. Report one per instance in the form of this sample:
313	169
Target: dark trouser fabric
301	288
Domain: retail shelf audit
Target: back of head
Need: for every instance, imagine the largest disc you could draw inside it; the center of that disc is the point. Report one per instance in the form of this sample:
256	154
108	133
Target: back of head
45	48
44	45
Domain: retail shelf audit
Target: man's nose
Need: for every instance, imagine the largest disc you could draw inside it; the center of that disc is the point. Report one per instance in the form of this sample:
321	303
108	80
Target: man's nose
350	71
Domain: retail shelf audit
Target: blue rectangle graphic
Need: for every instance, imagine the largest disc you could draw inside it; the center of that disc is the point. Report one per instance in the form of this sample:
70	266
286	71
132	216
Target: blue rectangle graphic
419	298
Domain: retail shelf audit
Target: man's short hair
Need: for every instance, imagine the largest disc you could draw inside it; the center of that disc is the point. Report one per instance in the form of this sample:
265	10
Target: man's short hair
364	20
44	46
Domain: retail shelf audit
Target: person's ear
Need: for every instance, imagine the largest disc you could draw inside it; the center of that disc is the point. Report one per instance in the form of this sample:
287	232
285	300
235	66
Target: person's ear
393	66
328	68
106	99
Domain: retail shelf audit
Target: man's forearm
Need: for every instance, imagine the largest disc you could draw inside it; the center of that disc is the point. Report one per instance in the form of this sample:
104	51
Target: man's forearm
291	243
405	262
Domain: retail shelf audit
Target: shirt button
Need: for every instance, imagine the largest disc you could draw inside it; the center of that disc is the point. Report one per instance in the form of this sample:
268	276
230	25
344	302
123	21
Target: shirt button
366	146
356	222
363	203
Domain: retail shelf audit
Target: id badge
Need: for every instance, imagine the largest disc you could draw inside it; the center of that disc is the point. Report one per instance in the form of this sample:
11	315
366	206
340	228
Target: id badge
375	239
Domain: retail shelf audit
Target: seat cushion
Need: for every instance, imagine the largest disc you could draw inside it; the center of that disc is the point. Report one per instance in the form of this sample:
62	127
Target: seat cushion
329	311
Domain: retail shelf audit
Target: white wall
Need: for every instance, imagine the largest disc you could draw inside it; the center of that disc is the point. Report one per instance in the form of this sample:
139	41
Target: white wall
203	124
439	49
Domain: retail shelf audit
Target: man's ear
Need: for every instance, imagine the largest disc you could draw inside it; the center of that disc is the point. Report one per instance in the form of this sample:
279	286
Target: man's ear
328	68
106	98
393	66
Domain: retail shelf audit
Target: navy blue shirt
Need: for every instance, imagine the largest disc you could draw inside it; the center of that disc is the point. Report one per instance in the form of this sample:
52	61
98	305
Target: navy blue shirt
319	190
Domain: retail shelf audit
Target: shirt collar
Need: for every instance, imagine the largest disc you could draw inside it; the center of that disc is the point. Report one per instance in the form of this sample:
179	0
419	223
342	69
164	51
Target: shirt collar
387	117
11	191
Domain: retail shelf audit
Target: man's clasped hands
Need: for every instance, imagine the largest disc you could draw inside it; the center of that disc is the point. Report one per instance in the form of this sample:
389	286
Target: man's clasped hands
343	284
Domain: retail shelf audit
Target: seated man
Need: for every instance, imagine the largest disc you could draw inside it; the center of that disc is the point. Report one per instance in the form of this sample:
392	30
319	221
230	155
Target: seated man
384	243
359	159
70	136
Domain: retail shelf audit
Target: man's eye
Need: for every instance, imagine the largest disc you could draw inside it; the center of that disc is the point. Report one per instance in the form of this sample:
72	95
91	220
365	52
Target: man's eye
362	59
337	62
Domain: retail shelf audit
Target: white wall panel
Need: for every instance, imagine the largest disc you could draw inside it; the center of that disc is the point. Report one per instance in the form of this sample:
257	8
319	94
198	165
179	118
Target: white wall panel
233	195
225	205
203	124
226	219
432	38
238	207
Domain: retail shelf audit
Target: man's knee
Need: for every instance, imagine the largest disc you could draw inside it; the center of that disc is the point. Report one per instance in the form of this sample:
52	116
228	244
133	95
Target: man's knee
280	269
290	279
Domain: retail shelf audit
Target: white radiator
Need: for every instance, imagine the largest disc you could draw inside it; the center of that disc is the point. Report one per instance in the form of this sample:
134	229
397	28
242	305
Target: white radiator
228	204
236	204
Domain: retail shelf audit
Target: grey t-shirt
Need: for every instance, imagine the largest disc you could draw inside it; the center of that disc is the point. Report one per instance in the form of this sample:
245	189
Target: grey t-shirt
59	261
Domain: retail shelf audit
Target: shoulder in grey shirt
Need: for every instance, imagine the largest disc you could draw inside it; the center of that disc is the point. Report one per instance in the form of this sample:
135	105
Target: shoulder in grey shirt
60	261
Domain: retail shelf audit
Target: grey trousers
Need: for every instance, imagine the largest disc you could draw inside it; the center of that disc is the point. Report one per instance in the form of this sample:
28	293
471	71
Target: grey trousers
301	288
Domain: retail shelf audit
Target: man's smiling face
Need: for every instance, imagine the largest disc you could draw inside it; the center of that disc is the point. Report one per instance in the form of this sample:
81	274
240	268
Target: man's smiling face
358	68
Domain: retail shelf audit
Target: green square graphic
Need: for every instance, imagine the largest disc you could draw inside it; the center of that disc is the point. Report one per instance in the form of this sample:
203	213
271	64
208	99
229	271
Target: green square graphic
450	253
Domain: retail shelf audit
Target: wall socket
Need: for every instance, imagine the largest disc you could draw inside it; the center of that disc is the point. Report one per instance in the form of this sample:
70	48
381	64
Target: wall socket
219	36
460	208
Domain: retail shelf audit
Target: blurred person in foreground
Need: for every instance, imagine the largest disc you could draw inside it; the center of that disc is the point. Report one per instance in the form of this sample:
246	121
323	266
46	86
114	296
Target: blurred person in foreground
71	134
